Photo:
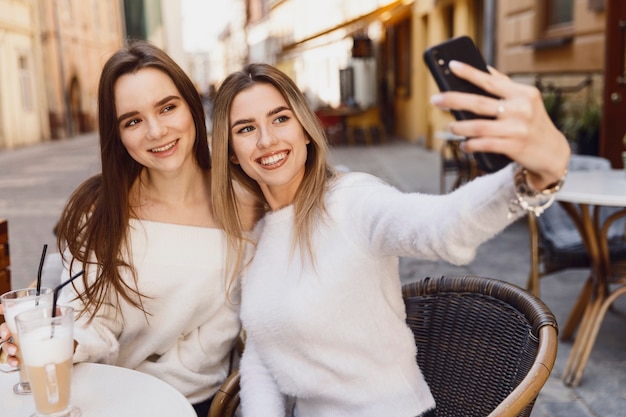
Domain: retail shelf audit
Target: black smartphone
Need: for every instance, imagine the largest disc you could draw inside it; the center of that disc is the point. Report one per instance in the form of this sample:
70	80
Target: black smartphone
465	50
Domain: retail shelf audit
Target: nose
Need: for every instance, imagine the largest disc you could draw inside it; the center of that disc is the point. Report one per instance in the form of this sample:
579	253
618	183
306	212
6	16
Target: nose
266	138
156	129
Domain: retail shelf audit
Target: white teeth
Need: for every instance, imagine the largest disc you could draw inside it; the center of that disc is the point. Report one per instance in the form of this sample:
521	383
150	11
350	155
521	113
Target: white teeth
270	160
164	148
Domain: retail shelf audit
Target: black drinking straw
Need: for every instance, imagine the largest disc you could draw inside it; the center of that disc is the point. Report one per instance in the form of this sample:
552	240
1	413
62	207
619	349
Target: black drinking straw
39	272
57	290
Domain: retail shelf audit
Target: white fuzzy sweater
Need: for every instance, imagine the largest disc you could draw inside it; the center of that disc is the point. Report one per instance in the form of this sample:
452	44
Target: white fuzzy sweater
191	327
333	335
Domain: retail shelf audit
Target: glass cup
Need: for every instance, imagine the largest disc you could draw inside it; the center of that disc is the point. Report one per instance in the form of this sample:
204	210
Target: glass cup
13	303
47	345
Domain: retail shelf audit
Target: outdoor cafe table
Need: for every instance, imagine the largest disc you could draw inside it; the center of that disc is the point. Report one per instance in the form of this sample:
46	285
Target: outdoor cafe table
582	191
105	391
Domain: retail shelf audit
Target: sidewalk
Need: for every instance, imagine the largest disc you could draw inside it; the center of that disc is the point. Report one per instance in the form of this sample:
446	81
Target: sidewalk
36	181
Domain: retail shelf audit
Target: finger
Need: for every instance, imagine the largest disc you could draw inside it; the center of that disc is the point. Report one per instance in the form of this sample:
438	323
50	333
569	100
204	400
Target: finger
482	128
490	144
495	72
484	106
495	83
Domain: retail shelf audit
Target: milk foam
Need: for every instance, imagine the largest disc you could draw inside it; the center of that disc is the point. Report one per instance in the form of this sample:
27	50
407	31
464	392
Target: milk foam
39	349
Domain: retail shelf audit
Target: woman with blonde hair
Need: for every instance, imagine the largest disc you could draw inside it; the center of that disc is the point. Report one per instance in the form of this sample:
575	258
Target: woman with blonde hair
321	295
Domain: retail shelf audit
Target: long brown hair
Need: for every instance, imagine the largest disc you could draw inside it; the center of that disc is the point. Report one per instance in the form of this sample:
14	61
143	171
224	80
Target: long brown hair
309	199
94	224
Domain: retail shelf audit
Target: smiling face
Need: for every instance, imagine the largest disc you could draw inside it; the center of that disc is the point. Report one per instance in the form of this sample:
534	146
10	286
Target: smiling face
154	121
268	142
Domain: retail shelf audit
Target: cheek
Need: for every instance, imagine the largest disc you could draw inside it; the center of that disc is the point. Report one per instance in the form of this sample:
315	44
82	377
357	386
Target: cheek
131	142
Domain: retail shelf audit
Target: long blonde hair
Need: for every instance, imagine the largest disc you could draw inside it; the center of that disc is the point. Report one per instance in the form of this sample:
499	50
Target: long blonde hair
309	200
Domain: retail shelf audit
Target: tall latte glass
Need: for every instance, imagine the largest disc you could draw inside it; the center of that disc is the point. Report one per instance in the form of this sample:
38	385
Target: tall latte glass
47	345
13	303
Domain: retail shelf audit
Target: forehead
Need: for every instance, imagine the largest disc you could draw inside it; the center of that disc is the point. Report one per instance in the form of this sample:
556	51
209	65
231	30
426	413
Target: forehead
144	87
259	98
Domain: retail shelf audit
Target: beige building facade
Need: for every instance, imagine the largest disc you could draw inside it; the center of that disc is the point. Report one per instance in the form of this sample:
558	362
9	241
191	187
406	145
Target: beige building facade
77	38
23	107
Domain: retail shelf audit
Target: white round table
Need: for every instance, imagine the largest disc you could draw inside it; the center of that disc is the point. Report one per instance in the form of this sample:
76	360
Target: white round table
105	391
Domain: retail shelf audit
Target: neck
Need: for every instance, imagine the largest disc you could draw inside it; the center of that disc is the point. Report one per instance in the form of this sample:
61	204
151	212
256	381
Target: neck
180	198
174	188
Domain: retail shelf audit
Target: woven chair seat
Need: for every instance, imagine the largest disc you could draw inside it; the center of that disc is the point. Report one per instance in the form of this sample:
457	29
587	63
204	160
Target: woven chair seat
486	347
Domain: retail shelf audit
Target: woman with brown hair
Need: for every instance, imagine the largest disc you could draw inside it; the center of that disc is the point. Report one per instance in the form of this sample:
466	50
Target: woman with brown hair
155	295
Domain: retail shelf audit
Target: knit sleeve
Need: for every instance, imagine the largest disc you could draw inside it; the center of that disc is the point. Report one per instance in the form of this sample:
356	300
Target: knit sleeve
448	227
97	340
260	395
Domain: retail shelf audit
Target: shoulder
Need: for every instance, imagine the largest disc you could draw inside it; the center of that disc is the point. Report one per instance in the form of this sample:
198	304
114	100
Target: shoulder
357	179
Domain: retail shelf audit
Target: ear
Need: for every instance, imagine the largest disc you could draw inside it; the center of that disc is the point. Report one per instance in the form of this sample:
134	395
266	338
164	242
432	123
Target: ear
233	158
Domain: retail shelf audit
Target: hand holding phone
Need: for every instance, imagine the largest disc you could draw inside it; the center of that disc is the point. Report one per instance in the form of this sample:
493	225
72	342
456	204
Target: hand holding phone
462	49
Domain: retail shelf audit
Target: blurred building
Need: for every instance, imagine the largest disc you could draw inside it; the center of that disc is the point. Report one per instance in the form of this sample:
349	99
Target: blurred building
573	50
51	54
23	106
76	39
368	53
159	22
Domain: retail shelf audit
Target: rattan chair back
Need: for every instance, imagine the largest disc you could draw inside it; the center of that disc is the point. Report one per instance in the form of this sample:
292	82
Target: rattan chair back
486	347
226	400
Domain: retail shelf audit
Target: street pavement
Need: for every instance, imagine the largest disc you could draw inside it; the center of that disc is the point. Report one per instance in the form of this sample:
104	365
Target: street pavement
35	182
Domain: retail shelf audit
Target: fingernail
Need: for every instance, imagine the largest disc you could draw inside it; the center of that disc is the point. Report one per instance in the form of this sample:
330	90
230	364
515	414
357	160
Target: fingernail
12	350
13	362
3	334
436	99
455	64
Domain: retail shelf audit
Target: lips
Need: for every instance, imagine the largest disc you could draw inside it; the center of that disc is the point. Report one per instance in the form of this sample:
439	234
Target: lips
165	147
273	159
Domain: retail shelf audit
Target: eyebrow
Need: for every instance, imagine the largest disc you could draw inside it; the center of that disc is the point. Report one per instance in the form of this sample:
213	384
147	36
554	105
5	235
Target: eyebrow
157	104
269	113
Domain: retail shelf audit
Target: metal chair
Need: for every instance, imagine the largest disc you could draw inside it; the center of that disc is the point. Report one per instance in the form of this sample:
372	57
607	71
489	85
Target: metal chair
486	347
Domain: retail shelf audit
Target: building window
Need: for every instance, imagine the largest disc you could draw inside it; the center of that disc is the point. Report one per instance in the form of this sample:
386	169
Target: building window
25	87
560	12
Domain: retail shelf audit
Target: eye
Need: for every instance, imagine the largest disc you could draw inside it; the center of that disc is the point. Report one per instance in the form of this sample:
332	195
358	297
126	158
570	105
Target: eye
246	129
168	108
131	122
281	119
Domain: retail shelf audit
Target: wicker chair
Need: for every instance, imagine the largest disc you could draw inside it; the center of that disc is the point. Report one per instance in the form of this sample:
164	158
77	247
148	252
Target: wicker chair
486	347
226	400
